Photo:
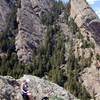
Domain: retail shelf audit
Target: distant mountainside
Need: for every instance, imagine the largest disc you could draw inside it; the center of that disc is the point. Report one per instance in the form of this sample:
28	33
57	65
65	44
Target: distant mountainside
49	38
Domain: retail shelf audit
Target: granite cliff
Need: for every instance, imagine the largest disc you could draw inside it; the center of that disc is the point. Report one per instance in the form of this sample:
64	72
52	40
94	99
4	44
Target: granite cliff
88	23
30	29
46	37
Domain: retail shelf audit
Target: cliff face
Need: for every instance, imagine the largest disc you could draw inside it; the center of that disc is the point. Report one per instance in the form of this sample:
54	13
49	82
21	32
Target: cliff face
81	12
10	89
88	23
5	10
30	29
69	54
85	18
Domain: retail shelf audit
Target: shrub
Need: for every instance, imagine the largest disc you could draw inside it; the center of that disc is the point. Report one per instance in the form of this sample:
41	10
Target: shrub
56	98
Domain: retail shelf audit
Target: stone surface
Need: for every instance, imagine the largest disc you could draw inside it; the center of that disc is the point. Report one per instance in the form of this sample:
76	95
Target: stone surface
89	24
5	10
95	29
81	12
30	36
85	17
66	32
30	30
91	80
10	89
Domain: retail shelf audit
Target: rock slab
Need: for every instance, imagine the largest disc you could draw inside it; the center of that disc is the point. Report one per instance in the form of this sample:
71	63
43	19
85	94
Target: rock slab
10	89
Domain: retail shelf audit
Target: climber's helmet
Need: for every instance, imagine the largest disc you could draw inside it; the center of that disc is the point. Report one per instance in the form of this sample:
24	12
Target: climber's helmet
27	80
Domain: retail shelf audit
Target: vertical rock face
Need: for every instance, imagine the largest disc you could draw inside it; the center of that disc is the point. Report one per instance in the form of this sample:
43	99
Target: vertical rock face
30	30
5	10
81	12
95	29
84	16
89	25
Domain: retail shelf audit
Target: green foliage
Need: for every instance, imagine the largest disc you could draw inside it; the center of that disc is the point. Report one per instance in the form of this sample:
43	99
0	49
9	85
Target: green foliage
50	18
9	64
56	98
87	44
75	66
80	36
56	76
50	56
98	57
58	6
72	25
7	38
73	70
76	88
66	16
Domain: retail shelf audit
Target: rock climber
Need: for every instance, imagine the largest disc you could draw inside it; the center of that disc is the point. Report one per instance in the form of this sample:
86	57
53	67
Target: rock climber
25	90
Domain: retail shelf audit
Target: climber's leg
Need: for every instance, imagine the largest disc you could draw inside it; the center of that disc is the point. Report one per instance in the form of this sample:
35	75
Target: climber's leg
25	97
30	96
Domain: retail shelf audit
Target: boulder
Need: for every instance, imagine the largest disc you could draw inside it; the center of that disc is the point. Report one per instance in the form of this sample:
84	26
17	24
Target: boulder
40	88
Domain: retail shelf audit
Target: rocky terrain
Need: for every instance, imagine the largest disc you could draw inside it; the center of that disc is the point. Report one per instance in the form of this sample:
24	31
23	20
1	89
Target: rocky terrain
41	37
85	18
89	24
30	30
5	10
10	89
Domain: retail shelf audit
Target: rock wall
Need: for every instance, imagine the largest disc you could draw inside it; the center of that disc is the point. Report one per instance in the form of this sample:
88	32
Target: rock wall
10	89
30	30
89	25
81	12
5	10
85	18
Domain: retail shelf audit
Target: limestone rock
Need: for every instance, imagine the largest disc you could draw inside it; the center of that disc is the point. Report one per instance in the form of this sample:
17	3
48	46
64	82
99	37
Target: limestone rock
30	30
10	89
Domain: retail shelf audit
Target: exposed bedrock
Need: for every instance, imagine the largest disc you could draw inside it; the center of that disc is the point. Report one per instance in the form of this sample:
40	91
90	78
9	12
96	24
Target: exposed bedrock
85	17
5	10
39	88
30	30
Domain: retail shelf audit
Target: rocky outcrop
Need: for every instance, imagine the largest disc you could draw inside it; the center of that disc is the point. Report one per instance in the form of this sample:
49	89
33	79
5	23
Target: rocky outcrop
91	80
66	32
30	30
85	17
89	24
5	10
10	89
95	29
81	12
